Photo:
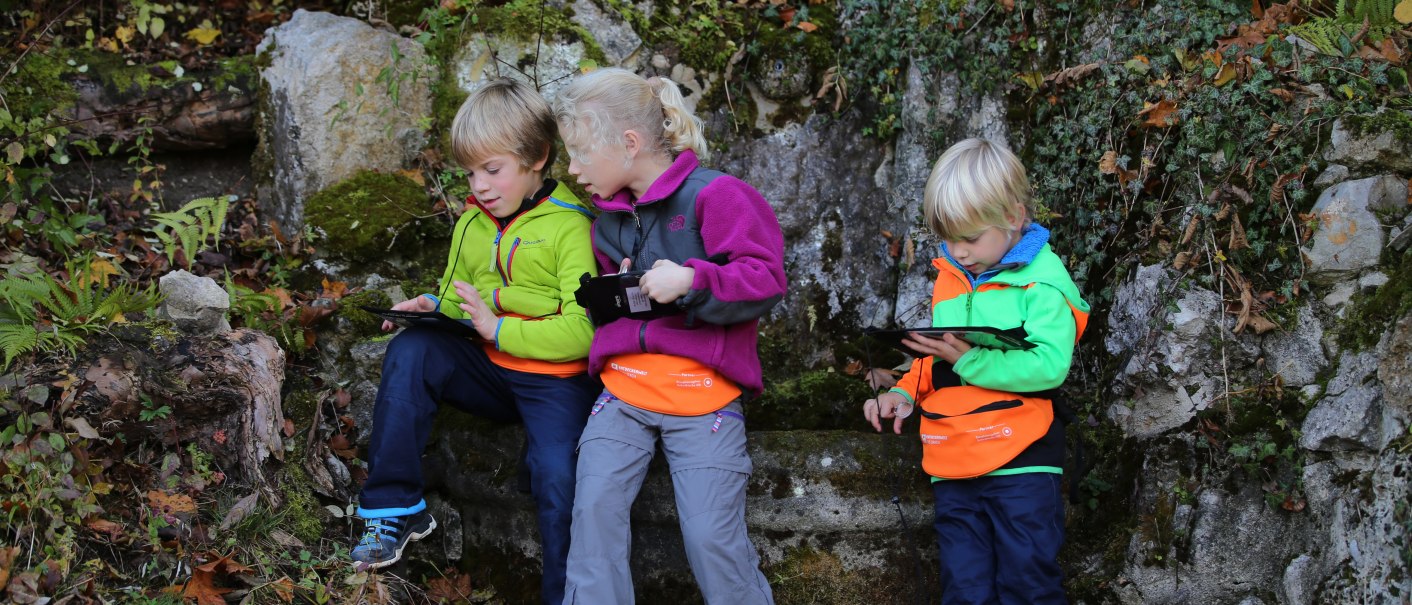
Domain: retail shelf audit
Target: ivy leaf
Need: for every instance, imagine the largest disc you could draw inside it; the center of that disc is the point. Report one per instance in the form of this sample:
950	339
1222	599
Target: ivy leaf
1403	12
157	26
14	152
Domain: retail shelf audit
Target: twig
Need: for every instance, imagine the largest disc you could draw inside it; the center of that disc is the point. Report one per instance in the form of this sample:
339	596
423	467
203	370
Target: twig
12	67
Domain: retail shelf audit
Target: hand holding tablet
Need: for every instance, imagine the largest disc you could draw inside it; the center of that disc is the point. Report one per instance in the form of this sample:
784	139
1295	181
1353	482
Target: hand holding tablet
979	336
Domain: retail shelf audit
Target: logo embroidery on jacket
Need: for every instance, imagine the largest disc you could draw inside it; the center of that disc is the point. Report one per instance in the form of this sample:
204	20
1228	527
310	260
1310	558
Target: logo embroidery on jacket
678	223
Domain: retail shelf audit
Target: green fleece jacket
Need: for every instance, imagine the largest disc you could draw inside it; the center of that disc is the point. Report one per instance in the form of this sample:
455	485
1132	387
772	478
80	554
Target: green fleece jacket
527	273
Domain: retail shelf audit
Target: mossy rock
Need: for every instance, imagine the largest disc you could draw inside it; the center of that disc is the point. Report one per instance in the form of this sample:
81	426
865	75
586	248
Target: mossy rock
807	575
361	323
372	216
1374	313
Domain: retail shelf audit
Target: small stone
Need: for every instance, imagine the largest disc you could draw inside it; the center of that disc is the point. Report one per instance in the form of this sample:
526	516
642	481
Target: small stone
1333	175
1372	280
1341	294
660	61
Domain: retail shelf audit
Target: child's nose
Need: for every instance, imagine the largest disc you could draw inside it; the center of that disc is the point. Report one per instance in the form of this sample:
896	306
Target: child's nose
574	167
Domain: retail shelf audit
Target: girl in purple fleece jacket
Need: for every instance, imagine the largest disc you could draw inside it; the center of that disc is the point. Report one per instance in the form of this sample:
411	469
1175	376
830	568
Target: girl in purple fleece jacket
711	246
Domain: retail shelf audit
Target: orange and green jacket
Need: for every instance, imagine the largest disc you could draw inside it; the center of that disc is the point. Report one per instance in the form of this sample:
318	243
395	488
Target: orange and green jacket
1029	292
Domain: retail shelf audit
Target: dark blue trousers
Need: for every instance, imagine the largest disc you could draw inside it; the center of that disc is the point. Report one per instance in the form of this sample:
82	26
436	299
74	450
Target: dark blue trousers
1000	539
426	367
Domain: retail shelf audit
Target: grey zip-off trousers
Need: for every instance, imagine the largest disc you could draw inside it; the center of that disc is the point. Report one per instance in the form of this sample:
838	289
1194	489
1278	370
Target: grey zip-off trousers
710	468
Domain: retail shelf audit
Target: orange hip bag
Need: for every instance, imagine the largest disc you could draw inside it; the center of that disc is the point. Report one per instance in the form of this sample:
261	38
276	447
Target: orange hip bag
968	431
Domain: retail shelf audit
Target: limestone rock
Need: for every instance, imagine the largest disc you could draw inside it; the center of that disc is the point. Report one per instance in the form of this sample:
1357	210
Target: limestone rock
1377	149
617	38
549	62
818	178
1350	414
1350	238
1395	374
197	305
1333	175
1297	355
328	115
1164	377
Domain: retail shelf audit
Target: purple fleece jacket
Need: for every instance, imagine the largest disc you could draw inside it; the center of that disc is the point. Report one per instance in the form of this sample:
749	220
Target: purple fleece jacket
736	222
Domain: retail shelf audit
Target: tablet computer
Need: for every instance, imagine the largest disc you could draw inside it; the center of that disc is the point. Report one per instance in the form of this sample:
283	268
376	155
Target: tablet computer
434	319
980	336
609	297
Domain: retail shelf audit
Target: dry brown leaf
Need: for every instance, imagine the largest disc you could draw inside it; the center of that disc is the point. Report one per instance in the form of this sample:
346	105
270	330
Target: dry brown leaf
1072	75
882	378
113	530
171	503
1190	229
1181	261
284	589
201	588
451	589
806	26
1283	94
1238	240
1227	73
1160	114
1259	324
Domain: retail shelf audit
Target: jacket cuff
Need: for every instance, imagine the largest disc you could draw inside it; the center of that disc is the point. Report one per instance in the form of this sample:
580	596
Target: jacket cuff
434	300
904	394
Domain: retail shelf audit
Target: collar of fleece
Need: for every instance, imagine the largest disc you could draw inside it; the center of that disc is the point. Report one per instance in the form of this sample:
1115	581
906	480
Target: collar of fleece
1032	240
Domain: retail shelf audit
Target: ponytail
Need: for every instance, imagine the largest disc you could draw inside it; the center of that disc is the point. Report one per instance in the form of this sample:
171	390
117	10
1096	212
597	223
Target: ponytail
680	130
597	106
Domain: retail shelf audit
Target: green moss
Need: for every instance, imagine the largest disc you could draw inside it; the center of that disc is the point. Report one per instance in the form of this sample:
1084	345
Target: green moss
301	511
813	399
1399	123
300	405
1374	313
807	575
242	72
363	323
367	216
38	88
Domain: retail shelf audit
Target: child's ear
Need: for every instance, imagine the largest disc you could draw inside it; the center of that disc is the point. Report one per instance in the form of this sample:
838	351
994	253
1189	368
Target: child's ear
632	141
1018	221
543	159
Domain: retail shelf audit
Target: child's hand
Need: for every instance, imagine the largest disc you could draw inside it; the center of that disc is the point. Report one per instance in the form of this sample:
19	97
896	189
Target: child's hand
420	304
887	405
947	347
480	315
666	281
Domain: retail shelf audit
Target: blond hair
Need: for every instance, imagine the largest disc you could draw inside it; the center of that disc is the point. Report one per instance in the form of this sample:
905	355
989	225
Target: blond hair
976	184
598	107
503	116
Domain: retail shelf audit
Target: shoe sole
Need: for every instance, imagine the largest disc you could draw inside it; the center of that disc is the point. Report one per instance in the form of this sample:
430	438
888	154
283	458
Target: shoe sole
397	556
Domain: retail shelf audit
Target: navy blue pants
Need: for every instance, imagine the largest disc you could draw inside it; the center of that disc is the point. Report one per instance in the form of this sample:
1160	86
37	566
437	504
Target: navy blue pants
425	367
1000	539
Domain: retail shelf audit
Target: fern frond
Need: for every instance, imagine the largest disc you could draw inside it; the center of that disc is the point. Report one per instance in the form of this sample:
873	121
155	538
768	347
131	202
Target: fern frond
191	226
17	339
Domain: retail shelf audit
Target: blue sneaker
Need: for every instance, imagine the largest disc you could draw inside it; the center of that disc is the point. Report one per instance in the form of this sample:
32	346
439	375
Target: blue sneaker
384	539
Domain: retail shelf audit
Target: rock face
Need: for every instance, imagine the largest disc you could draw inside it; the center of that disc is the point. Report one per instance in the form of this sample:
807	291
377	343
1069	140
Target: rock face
1350	237
342	97
1363	143
840	273
1166	377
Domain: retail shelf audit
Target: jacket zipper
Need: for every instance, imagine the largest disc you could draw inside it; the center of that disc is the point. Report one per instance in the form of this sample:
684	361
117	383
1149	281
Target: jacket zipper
642	337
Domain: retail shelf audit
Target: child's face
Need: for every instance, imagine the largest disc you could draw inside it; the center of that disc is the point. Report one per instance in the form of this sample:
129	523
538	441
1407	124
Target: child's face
500	183
600	171
980	251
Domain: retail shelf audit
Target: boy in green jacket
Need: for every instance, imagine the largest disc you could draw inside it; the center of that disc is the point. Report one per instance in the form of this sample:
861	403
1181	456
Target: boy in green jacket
990	438
516	258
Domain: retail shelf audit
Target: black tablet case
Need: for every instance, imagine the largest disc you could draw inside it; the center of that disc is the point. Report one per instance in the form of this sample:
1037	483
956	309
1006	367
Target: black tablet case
433	319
